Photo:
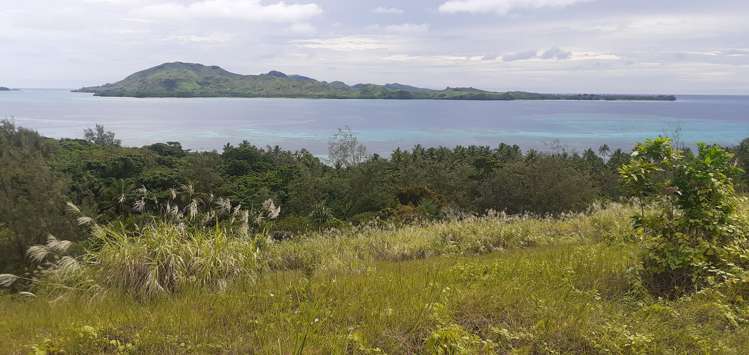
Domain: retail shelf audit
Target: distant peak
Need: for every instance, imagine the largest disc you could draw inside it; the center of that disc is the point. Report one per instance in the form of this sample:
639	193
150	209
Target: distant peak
276	73
188	65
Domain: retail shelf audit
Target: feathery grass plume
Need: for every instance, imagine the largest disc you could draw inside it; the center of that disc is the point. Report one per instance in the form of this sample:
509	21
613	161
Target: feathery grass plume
244	229
271	209
72	208
235	213
38	253
58	246
172	194
224	205
7	280
192	209
139	205
174	211
68	263
142	190
84	221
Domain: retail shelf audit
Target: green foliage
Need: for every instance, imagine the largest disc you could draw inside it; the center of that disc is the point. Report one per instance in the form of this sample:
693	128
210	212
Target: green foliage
100	137
542	185
31	195
694	230
453	340
742	157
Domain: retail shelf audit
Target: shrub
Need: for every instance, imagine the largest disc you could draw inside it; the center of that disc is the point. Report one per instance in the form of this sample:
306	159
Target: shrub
693	229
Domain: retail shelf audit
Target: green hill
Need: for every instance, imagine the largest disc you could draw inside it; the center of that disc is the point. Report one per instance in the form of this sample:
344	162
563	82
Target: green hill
197	80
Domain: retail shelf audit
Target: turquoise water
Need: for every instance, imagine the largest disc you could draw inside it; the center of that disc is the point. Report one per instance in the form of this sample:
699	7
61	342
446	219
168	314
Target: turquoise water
208	123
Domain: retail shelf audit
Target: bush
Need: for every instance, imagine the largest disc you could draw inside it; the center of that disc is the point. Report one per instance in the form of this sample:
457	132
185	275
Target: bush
541	185
695	235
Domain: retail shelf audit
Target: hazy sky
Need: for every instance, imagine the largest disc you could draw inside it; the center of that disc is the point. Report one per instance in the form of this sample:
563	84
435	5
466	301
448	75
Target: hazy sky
626	46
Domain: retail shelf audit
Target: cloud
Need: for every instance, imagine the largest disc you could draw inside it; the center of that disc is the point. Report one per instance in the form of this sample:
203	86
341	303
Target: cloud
248	10
439	60
343	44
302	28
502	6
408	28
592	56
511	57
215	38
556	53
388	11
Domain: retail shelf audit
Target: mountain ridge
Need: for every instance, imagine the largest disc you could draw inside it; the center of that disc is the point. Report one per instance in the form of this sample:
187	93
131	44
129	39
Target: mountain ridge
179	79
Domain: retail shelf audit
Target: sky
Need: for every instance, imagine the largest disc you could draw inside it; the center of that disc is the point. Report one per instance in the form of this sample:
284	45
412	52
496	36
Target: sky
565	46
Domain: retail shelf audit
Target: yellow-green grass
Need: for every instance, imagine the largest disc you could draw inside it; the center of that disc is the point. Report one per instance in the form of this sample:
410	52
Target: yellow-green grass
544	286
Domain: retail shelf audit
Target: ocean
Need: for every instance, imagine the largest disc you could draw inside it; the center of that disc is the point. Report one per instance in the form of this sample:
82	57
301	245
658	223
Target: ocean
382	125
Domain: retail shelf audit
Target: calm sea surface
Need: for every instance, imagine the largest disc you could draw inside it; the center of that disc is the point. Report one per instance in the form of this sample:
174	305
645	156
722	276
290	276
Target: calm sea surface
209	123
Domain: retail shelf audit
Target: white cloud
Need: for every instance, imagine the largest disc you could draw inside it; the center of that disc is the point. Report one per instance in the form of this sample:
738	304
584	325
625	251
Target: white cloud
511	57
436	60
558	54
214	38
249	10
302	28
592	56
502	6
555	53
344	44
388	11
408	28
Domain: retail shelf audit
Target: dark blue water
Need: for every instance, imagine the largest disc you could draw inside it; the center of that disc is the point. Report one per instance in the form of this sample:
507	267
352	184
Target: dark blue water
382	125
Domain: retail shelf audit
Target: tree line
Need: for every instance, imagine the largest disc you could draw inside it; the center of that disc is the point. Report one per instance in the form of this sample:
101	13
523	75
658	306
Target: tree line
106	180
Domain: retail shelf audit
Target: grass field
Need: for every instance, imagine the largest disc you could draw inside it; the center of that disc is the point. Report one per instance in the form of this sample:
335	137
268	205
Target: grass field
488	285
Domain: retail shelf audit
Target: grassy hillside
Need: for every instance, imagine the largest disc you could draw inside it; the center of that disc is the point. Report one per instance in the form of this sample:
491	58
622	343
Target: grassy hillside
196	80
481	285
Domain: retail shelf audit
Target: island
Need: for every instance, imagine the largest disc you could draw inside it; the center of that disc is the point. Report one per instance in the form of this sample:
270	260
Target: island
3	88
179	79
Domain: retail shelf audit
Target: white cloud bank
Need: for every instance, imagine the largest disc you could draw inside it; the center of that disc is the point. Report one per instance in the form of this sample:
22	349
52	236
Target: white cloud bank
502	6
388	10
343	44
249	10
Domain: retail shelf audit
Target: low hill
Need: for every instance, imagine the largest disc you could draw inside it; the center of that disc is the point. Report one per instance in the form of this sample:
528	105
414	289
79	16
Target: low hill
196	80
3	88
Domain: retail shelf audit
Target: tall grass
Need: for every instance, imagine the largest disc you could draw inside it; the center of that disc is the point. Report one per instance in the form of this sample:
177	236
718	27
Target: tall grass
164	258
554	299
347	249
495	284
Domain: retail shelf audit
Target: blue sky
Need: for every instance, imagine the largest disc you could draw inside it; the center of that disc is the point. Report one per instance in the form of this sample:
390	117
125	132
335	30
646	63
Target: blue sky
603	46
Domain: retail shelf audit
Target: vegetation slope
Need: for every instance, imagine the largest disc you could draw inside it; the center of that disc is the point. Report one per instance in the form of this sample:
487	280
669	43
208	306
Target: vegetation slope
152	266
493	284
196	80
